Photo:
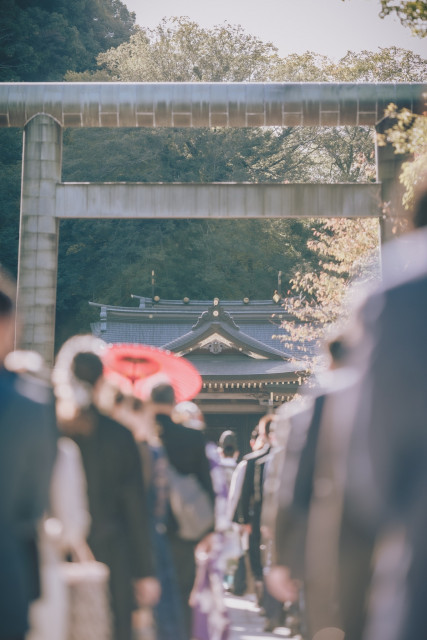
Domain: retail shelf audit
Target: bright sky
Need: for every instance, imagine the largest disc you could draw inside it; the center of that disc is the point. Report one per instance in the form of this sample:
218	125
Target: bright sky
329	27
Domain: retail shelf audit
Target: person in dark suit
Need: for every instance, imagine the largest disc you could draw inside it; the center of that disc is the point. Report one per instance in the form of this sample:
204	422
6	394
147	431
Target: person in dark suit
248	512
120	532
27	455
185	449
294	575
390	438
368	500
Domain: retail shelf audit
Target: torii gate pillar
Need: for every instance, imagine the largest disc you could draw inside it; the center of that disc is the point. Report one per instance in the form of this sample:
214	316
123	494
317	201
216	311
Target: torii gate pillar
38	243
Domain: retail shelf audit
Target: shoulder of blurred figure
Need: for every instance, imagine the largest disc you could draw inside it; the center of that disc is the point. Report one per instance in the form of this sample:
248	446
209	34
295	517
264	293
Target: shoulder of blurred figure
230	463
177	429
404	259
111	426
30	388
254	455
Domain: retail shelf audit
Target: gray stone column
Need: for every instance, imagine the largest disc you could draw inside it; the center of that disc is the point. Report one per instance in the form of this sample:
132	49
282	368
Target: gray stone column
394	220
38	244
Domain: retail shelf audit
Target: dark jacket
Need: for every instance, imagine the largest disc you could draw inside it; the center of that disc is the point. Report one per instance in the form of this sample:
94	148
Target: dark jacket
245	508
27	455
120	533
185	449
394	436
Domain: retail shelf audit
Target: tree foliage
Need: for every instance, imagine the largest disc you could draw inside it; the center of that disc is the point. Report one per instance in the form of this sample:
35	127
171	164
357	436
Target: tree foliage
347	251
197	258
408	136
179	50
387	64
40	40
10	185
411	13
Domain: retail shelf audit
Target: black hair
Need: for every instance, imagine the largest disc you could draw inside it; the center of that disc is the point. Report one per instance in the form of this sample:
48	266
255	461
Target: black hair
87	367
338	350
228	443
163	394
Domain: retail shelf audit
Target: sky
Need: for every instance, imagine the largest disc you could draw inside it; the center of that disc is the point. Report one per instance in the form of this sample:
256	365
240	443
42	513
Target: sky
328	27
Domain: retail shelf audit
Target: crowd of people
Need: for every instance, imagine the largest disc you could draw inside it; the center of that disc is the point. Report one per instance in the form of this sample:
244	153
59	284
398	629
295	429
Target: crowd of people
323	521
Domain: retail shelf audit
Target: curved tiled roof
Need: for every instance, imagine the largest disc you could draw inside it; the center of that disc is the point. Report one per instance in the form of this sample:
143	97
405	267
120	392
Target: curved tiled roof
170	324
242	367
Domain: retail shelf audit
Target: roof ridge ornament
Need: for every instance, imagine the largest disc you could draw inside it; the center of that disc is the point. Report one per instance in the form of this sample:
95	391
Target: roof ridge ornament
215	313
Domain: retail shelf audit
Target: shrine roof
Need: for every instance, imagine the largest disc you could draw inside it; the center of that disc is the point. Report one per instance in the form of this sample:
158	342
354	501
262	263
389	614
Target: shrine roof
244	367
180	325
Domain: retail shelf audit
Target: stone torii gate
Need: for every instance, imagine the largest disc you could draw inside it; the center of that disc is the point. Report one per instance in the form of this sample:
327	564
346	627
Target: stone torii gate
44	109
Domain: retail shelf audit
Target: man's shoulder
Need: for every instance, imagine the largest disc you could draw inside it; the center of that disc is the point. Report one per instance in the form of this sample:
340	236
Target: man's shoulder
254	455
33	390
180	432
25	395
114	429
229	463
250	456
405	259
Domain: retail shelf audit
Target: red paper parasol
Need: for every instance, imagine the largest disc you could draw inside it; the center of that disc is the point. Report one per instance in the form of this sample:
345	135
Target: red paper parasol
138	363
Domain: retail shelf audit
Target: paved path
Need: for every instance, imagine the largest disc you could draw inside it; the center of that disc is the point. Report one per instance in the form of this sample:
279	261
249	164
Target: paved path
247	624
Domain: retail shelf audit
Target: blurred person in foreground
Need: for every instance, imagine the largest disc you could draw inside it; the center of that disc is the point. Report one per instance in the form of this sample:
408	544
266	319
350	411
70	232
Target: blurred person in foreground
389	441
119	534
130	411
210	617
185	449
228	452
303	500
65	525
247	512
271	608
368	506
27	455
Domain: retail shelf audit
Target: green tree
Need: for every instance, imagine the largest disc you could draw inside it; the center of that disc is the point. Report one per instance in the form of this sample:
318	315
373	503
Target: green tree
40	40
179	50
198	258
202	258
348	255
10	185
411	13
388	64
347	249
408	136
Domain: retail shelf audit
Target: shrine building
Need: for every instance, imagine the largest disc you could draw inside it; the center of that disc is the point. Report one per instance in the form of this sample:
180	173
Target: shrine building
246	369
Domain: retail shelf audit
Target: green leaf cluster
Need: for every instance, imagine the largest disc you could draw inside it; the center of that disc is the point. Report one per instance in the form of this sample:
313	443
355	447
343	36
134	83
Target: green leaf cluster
408	135
40	40
411	13
179	50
